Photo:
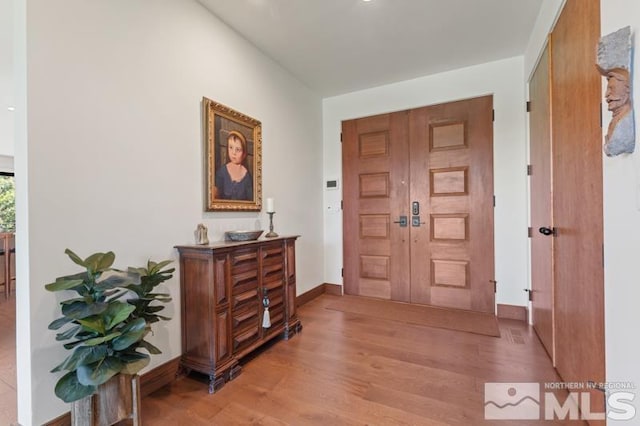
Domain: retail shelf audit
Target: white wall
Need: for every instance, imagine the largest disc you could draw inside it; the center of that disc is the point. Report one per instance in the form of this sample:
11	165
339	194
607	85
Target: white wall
111	153
6	161
622	227
547	17
504	79
6	80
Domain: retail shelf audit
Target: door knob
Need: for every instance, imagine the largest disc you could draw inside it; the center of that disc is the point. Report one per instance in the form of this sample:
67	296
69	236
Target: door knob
547	231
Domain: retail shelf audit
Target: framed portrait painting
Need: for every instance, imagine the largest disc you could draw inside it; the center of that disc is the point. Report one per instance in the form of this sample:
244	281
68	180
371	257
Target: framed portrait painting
233	169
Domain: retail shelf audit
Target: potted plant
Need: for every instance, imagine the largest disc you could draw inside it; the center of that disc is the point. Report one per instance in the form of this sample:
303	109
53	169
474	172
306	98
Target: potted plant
106	325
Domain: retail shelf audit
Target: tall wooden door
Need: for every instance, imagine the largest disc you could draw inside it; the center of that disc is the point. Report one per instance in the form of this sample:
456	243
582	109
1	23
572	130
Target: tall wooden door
576	94
541	213
418	212
375	181
567	265
451	165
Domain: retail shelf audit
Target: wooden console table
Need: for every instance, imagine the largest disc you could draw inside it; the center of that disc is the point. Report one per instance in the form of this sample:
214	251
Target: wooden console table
222	287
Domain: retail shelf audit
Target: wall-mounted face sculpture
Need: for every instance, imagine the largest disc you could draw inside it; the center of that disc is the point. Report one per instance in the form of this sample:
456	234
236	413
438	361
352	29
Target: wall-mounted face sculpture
618	94
614	63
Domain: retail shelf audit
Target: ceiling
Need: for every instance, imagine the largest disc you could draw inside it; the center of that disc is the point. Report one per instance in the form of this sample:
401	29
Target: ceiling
340	46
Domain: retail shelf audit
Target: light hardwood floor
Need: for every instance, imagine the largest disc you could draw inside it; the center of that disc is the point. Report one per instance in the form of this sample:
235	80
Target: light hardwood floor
344	369
348	369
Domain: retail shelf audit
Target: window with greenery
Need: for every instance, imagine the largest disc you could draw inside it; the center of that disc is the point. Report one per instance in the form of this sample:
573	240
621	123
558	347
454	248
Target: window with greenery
7	204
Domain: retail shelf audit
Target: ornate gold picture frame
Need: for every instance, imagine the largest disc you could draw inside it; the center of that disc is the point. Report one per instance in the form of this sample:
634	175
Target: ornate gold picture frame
233	156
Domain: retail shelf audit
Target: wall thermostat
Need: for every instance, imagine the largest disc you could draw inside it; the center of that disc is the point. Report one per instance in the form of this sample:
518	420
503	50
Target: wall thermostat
332	184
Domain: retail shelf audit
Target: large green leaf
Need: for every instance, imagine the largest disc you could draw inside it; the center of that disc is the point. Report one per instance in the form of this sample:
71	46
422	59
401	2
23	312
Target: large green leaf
75	258
160	297
102	339
75	299
82	356
79	310
134	362
100	262
72	345
139	271
69	388
132	333
63	284
66	335
106	261
118	279
116	313
82	288
153	309
97	373
87	334
77	276
110	293
117	294
94	323
155	268
56	324
151	348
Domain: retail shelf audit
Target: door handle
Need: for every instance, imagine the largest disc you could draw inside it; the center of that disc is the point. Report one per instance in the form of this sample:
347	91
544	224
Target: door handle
403	221
547	231
415	221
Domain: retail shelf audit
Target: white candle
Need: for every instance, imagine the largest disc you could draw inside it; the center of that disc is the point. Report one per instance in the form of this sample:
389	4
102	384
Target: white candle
270	205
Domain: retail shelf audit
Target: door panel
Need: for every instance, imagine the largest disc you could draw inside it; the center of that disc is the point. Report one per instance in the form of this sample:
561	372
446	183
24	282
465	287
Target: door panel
577	196
375	152
451	162
432	165
541	214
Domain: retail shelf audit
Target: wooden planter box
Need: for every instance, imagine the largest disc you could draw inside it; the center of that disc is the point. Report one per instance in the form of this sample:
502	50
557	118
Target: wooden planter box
116	400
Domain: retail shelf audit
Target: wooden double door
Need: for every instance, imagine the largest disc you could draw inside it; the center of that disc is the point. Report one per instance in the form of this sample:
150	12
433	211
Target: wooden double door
418	205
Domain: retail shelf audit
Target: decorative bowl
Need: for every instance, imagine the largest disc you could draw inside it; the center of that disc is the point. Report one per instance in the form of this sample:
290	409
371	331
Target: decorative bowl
243	235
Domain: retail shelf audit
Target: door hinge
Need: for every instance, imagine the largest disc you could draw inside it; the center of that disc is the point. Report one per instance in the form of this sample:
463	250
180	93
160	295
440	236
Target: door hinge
341	205
529	232
529	169
528	106
495	285
340	136
342	272
529	294
601	115
493	115
494	201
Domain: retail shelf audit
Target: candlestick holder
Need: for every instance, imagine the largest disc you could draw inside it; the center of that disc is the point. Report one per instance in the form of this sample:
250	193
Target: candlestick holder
271	234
